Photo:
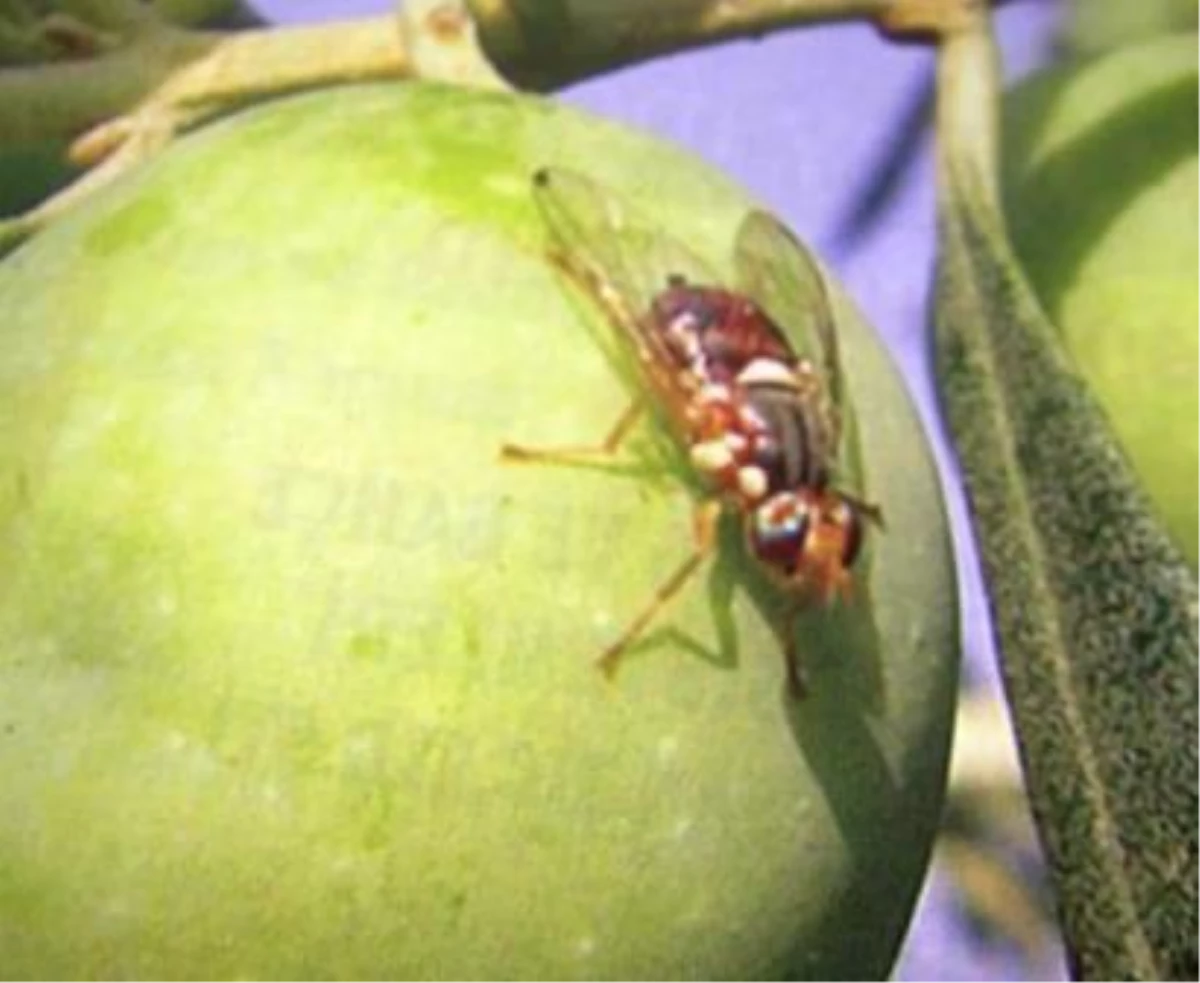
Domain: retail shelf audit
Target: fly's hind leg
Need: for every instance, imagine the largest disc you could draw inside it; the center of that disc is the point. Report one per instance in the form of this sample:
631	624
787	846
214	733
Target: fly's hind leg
793	668
705	526
519	454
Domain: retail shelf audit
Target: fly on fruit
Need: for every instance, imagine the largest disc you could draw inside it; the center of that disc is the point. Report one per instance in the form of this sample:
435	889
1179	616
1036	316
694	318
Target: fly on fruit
759	418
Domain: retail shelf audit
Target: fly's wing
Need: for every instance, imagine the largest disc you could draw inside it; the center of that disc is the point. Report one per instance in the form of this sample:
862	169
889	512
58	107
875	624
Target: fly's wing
779	273
623	260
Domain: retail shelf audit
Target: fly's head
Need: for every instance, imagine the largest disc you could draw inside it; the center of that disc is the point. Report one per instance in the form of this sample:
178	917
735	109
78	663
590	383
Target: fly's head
808	540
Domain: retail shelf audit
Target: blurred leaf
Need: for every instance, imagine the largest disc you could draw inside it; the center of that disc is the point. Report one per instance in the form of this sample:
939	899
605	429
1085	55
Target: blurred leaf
1095	608
209	13
1099	25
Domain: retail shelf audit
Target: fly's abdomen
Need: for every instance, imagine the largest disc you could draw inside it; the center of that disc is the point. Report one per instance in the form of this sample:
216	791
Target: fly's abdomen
796	452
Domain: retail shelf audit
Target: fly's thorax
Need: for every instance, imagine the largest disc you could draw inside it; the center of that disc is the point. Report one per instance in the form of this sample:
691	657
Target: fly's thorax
727	442
743	334
716	333
727	462
712	412
683	314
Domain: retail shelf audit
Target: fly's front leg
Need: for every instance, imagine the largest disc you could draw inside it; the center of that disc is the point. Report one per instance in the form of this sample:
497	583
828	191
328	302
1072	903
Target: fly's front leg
705	526
869	510
565	455
589	283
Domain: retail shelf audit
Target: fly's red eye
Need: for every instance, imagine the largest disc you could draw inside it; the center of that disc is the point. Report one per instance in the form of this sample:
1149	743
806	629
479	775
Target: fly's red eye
779	531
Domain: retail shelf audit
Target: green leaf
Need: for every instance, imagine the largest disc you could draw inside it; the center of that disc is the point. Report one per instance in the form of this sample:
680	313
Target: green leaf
1094	26
1095	608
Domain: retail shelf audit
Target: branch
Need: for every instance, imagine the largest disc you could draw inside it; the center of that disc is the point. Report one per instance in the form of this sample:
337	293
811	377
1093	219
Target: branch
216	72
544	44
176	78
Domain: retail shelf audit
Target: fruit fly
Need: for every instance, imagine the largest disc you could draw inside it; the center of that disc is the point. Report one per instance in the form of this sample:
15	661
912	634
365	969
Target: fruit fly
758	417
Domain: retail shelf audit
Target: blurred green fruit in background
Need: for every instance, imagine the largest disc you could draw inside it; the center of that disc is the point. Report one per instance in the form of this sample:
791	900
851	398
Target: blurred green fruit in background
1101	194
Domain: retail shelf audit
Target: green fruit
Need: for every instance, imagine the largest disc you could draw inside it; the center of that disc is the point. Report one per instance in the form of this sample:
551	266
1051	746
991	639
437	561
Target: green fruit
298	676
1101	179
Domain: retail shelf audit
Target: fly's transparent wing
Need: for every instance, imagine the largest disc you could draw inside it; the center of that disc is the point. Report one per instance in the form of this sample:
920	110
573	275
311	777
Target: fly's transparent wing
623	262
602	241
779	273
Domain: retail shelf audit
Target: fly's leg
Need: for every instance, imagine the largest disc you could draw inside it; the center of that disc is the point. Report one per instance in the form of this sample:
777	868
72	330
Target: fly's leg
794	672
610	660
517	453
870	511
625	423
616	311
705	526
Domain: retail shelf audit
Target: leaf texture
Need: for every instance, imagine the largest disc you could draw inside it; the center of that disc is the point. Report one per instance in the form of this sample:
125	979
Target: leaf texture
1095	609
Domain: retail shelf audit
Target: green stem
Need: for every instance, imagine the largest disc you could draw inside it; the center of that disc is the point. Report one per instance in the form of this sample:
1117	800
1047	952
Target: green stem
544	44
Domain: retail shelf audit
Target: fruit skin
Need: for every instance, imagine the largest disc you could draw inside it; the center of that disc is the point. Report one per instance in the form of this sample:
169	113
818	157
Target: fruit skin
298	677
1100	189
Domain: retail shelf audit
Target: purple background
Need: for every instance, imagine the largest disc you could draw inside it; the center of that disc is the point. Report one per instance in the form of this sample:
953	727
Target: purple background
803	119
